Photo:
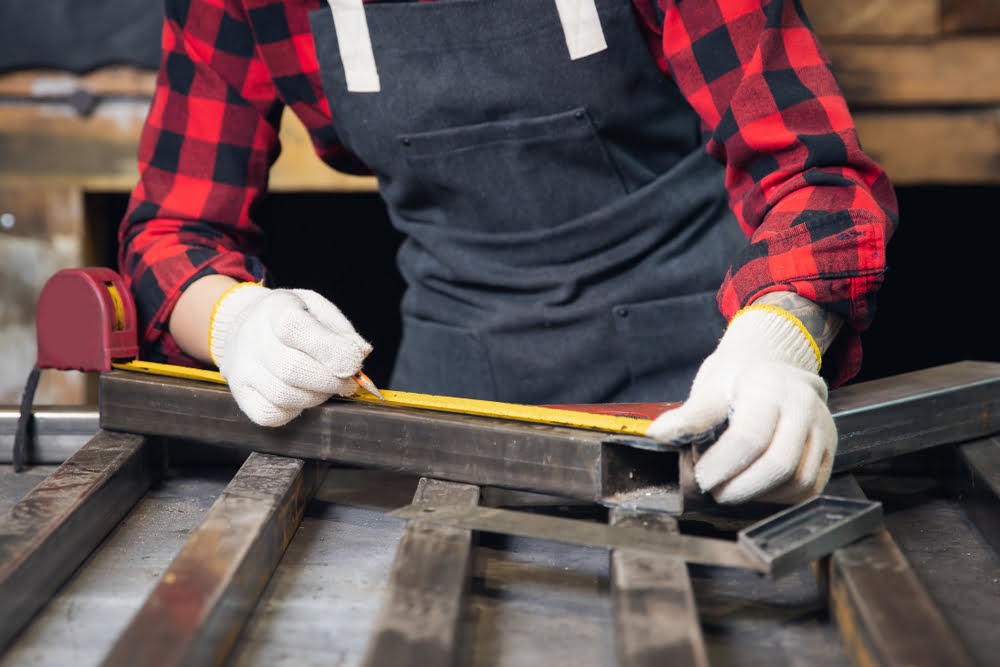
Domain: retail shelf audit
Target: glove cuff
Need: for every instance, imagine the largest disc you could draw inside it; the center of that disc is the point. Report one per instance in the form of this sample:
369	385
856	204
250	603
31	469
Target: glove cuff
773	332
227	314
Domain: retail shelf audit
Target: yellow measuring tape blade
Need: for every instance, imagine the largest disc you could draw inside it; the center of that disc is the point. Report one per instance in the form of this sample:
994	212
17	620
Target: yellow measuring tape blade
172	371
465	406
116	300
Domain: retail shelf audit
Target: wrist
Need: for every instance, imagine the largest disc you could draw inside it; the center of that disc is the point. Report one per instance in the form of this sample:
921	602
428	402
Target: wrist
764	329
821	324
189	319
228	313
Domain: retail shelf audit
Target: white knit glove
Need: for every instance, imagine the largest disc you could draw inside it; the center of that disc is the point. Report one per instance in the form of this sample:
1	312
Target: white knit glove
282	351
780	440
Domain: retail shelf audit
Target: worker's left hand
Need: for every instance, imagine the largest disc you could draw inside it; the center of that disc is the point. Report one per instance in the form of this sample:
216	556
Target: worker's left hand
780	440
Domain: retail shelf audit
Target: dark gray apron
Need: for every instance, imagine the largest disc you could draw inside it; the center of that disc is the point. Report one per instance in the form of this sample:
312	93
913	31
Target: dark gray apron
566	231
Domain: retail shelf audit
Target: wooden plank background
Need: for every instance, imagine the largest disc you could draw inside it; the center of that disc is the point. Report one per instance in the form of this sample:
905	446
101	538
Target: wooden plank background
920	60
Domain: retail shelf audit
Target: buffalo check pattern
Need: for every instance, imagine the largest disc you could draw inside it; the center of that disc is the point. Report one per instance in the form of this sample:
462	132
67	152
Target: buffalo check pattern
816	209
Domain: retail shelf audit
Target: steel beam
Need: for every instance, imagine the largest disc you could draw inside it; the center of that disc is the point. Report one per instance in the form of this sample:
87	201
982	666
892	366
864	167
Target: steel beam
882	611
980	486
905	413
656	618
45	536
693	549
478	450
421	607
198	607
876	420
58	432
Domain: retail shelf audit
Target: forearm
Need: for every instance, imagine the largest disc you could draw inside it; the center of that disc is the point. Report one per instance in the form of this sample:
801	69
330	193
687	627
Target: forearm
191	317
202	167
822	325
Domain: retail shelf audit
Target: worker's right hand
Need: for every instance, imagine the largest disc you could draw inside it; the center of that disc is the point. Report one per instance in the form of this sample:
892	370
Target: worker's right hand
282	351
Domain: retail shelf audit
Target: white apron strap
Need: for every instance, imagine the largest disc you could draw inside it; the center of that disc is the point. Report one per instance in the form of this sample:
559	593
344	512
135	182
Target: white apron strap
355	46
582	27
580	22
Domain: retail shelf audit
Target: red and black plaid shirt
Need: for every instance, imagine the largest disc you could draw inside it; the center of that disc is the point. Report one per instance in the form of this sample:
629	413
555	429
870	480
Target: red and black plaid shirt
818	211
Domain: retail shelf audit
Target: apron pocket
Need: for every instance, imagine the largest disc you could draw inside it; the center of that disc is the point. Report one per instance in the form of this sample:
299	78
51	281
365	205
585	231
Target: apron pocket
665	341
438	359
541	171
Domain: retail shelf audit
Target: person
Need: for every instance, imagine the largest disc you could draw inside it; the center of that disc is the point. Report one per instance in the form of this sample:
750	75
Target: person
589	190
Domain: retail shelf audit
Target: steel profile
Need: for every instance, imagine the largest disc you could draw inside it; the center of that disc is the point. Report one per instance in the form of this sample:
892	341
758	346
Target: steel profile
199	605
45	536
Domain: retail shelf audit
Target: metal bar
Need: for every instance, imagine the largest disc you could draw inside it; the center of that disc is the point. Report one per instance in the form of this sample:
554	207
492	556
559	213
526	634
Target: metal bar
981	486
656	618
195	613
882	611
876	420
45	536
805	532
776	545
905	413
704	550
491	452
58	432
418	621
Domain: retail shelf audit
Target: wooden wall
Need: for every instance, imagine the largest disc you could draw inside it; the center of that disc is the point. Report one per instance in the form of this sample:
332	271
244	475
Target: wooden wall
922	78
64	141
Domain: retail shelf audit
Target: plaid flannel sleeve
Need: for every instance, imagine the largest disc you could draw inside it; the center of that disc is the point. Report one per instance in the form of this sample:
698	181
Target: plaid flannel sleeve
818	211
204	155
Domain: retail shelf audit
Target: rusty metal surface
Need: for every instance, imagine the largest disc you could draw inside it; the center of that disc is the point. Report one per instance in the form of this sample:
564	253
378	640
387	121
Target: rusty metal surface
958	567
476	450
882	610
646	589
79	624
703	550
876	420
534	601
909	412
421	607
321	604
49	532
530	601
979	482
15	486
798	535
883	613
199	605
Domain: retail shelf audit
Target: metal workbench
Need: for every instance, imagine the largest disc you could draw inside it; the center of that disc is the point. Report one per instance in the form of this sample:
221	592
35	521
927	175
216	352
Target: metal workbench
926	590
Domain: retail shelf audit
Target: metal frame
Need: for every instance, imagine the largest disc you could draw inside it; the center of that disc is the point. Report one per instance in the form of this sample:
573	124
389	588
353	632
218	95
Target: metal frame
422	605
883	613
875	420
647	589
979	482
884	418
199	605
46	535
564	461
